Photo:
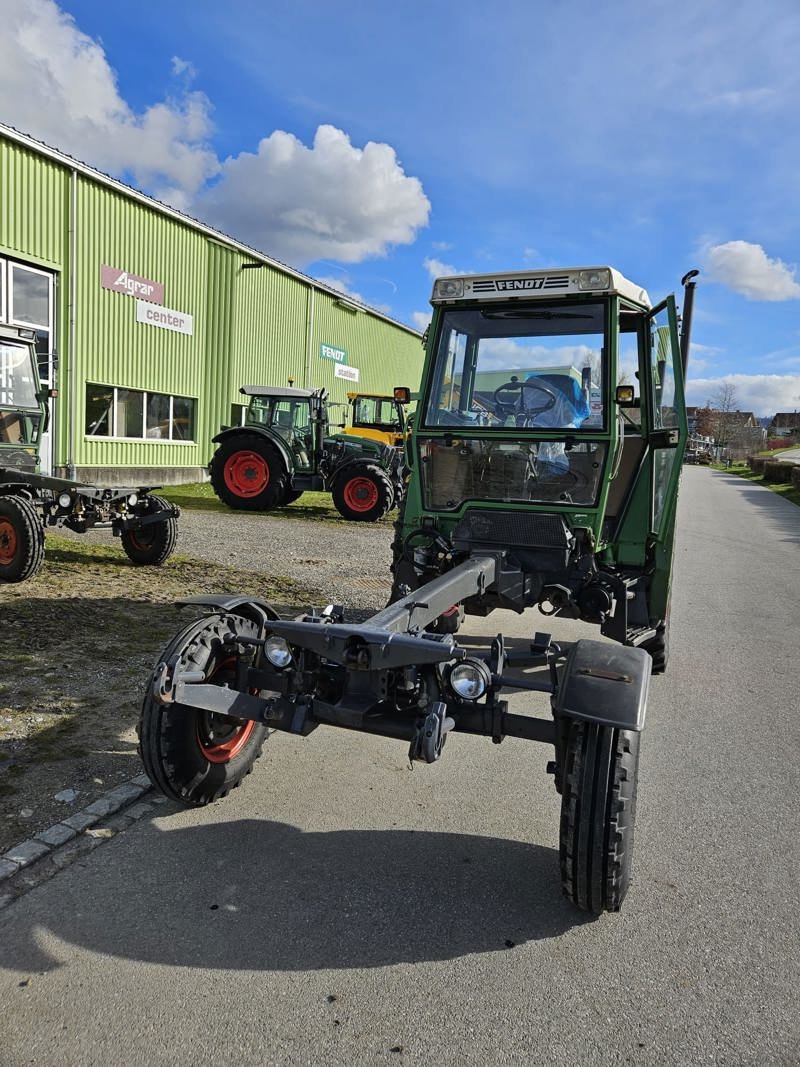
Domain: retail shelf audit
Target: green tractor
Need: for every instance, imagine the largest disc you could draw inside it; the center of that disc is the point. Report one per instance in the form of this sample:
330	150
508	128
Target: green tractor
285	448
30	502
539	477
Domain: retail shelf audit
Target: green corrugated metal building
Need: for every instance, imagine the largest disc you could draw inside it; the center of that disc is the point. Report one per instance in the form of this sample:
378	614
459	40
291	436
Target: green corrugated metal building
148	322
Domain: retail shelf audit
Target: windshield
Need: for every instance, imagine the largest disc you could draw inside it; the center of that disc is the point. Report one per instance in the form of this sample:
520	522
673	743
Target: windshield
376	411
17	380
531	368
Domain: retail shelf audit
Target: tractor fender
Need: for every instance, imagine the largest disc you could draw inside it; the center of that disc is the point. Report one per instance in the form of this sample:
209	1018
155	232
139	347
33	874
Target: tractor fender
259	431
605	684
254	608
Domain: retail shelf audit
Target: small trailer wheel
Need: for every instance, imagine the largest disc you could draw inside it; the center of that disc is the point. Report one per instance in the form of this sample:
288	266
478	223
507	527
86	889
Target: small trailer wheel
598	806
196	757
21	539
155	542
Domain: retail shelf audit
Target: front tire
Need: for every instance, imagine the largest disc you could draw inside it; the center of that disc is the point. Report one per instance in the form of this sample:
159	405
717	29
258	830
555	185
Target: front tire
658	646
598	807
249	474
196	757
363	493
21	539
154	543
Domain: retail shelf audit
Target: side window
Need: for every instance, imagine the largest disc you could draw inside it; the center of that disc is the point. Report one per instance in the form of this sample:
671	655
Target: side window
662	371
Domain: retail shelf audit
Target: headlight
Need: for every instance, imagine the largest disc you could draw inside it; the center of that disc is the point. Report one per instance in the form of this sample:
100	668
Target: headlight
133	500
470	680
594	279
448	288
64	500
278	652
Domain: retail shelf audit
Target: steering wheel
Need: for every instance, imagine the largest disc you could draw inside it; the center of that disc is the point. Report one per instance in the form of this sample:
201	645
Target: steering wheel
527	415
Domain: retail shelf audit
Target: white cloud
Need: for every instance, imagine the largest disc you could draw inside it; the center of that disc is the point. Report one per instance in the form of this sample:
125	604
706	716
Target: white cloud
421	320
763	394
331	200
437	269
298	204
747	269
56	84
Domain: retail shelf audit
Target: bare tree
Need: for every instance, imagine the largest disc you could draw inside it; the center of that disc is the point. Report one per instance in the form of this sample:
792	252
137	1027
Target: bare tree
724	403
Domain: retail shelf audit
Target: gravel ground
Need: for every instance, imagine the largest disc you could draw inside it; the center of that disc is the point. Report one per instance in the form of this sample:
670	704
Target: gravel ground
347	561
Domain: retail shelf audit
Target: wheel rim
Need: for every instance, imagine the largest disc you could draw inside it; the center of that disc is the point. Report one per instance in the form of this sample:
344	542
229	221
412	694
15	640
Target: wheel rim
141	539
361	494
8	542
220	737
246	473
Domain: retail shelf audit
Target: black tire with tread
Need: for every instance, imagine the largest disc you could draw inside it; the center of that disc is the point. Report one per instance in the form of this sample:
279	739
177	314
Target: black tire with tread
658	646
155	543
27	560
275	491
598	808
379	478
169	743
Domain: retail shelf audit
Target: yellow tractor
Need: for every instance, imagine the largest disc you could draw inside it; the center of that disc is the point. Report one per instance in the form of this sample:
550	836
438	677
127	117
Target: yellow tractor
378	417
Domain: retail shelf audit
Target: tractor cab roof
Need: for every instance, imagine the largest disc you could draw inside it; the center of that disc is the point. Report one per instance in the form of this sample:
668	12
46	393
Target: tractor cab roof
537	285
278	390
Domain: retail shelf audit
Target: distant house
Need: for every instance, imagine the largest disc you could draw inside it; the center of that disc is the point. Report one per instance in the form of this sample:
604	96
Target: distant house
785	424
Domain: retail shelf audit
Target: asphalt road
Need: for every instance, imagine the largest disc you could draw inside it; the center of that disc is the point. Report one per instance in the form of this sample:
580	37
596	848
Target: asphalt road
342	909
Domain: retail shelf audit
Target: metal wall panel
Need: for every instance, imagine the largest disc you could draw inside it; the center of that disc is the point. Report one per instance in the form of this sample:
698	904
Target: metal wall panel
111	346
33	206
271	311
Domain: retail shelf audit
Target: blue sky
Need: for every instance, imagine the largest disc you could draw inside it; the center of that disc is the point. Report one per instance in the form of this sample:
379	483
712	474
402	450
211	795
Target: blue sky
373	145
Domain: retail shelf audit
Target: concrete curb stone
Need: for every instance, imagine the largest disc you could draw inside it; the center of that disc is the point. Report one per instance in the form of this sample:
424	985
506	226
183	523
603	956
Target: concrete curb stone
35	860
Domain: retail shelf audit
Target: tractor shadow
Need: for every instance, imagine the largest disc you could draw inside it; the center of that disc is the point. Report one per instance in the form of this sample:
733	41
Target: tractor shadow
265	896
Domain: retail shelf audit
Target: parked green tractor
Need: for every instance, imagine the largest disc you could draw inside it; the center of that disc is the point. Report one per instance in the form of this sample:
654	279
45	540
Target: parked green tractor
30	501
538	478
285	448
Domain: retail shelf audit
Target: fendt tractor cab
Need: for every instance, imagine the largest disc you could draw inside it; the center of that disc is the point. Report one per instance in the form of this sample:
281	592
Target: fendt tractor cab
285	447
544	464
378	418
30	501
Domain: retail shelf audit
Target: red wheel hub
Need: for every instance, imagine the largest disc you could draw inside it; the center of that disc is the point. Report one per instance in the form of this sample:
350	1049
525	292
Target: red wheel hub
8	542
361	494
246	473
220	737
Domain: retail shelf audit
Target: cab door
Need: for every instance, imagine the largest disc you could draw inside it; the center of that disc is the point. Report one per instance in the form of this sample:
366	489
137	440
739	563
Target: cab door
668	431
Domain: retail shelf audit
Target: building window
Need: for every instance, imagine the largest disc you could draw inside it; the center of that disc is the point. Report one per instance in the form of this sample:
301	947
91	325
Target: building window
158	416
26	299
99	404
133	414
129	409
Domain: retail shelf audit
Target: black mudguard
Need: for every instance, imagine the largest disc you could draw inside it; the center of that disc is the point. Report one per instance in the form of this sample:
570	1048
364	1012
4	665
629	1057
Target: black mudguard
604	683
260	611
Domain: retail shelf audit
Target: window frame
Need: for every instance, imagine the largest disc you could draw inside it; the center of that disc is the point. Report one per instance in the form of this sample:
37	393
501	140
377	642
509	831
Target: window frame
145	393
